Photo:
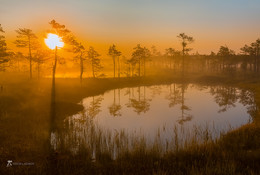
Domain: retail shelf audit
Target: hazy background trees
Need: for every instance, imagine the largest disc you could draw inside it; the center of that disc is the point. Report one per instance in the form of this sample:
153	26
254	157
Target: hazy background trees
3	50
80	52
26	39
142	62
114	53
93	56
225	55
140	56
254	52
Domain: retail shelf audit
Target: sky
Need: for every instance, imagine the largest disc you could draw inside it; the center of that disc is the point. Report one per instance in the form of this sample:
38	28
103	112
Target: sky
100	23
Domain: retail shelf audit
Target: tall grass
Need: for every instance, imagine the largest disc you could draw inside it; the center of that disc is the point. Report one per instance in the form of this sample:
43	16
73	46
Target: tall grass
194	151
83	134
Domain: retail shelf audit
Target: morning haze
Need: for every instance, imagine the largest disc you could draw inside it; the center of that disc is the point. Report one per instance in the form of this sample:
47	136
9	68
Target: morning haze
103	22
129	87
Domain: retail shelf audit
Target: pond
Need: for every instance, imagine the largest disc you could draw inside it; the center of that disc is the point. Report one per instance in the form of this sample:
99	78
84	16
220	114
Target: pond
169	116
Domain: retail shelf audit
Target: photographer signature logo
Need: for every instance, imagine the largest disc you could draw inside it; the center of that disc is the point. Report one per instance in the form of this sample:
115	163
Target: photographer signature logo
9	163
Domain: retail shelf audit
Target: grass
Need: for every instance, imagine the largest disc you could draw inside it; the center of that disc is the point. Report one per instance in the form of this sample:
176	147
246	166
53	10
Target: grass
25	134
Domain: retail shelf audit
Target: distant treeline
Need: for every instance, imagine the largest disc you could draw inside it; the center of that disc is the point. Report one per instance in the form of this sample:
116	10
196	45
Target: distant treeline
38	58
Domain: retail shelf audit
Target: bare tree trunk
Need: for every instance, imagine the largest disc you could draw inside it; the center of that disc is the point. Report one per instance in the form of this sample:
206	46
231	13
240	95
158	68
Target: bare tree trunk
144	67
93	71
129	70
183	53
139	69
38	65
54	66
114	61
81	66
118	64
170	62
30	57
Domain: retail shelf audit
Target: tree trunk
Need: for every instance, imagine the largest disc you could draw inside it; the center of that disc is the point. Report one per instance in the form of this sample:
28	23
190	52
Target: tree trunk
118	64
30	57
183	53
54	66
139	69
144	67
38	65
114	61
93	71
81	66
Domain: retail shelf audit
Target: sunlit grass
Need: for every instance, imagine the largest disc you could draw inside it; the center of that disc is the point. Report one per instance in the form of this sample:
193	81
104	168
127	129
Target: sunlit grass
25	134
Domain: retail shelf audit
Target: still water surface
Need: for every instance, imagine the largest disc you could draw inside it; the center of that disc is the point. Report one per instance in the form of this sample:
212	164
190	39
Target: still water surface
149	111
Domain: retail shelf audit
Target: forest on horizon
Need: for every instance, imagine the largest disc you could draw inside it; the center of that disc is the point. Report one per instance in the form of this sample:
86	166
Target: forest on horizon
32	57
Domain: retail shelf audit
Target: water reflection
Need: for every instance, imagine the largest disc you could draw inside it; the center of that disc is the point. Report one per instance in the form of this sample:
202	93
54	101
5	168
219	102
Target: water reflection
185	116
154	114
225	97
140	104
93	108
115	108
174	96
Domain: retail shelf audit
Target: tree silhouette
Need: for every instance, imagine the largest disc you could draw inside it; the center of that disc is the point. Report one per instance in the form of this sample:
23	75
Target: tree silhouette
133	61
114	53
254	51
3	49
256	48
62	32
80	51
26	39
140	55
185	40
146	55
40	57
137	56
172	55
95	61
18	58
155	56
118	63
224	53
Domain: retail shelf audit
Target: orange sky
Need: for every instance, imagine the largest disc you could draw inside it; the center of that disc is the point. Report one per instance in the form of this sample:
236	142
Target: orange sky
149	22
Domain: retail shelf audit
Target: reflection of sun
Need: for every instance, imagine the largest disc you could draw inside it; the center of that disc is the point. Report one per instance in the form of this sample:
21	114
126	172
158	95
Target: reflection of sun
53	41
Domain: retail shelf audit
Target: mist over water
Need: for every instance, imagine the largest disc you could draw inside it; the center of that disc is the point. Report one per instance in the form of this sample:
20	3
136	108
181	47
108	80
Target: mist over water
158	112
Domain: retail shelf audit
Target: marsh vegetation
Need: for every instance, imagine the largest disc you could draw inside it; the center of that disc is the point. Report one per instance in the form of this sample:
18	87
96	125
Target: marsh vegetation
147	113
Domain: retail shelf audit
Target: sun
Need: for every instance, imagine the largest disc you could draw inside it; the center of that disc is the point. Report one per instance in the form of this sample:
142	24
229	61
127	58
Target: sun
53	41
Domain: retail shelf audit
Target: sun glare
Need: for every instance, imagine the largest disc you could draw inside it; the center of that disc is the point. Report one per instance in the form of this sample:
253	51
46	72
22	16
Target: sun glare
53	40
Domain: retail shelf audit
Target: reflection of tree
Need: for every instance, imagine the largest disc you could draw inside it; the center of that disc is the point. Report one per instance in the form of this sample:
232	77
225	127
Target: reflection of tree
174	96
225	97
94	106
141	104
184	108
115	108
247	99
